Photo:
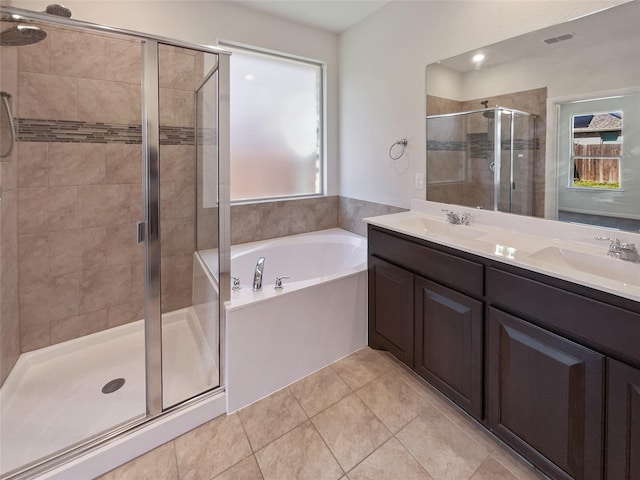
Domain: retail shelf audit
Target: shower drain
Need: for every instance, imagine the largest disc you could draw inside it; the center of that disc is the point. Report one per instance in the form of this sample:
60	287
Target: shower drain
113	385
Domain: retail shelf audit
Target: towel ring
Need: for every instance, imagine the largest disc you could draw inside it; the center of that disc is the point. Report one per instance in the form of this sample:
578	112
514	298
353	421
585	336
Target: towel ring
403	143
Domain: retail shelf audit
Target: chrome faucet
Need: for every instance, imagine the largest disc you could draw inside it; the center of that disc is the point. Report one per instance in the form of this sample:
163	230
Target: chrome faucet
456	218
452	217
257	276
622	250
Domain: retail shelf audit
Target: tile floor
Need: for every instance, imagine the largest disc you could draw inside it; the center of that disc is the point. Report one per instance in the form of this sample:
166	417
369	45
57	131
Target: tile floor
365	417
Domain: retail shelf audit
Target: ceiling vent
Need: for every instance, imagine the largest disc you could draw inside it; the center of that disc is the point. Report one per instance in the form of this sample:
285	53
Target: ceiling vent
561	38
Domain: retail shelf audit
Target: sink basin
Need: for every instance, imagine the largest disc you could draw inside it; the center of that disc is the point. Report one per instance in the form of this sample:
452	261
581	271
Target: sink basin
602	266
426	226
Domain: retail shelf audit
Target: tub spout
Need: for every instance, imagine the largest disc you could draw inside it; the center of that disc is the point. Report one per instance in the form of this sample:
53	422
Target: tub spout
257	276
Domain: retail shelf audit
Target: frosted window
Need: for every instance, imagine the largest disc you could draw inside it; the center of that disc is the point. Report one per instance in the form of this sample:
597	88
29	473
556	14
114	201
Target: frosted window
276	126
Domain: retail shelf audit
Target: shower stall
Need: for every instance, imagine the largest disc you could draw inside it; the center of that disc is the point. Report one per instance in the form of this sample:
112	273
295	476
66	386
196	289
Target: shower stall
110	139
483	159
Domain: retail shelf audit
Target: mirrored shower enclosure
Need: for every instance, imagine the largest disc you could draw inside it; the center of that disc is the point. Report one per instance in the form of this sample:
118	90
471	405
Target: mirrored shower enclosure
113	138
482	158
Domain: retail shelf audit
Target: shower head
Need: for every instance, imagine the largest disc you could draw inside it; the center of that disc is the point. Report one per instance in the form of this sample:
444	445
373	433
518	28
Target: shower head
488	113
21	34
58	10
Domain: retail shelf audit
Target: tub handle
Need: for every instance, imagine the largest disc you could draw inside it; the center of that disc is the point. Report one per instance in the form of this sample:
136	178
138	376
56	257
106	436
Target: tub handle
279	282
236	283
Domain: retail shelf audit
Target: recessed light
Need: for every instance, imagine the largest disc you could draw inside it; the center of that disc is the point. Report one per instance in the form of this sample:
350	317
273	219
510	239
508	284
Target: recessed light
477	58
248	77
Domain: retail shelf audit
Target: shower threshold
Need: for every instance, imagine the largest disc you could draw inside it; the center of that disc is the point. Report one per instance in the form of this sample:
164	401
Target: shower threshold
54	399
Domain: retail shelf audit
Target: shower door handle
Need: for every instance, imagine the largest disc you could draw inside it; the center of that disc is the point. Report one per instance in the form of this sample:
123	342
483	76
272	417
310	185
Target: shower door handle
140	224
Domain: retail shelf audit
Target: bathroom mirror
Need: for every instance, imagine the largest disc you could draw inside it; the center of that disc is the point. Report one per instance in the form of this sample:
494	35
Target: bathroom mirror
503	122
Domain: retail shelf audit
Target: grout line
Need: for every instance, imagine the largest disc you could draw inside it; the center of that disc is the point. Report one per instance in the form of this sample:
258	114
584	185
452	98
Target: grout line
175	454
328	448
330	405
280	436
245	433
477	469
411	453
298	402
253	454
371	453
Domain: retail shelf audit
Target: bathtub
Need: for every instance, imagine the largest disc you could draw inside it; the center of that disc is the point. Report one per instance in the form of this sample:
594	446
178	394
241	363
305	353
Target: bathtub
276	337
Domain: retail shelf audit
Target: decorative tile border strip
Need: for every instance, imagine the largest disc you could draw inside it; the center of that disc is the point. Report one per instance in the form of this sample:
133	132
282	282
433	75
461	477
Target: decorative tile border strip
34	130
446	145
480	145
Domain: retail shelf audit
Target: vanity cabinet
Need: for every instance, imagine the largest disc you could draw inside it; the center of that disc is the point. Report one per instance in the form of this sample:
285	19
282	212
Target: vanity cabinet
550	367
623	421
421	311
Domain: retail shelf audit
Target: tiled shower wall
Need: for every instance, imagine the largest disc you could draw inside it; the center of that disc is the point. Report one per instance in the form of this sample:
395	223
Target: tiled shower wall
9	321
79	183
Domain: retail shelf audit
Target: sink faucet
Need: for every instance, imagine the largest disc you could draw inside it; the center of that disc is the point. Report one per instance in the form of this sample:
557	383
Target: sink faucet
456	218
452	217
622	250
257	276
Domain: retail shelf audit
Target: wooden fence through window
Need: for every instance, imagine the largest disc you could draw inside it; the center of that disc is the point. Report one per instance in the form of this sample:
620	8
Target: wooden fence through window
589	164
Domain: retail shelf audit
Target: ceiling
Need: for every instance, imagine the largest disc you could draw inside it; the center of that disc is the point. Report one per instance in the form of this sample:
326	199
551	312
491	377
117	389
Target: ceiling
330	15
616	22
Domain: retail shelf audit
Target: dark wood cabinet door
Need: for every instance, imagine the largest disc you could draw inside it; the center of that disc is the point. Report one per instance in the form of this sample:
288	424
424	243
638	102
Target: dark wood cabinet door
623	421
448	343
391	309
545	397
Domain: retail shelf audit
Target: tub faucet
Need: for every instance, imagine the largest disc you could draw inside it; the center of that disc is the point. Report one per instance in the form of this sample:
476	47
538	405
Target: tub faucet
257	276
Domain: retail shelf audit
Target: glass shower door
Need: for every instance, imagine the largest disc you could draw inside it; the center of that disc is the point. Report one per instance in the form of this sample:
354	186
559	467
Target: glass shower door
188	221
73	309
516	152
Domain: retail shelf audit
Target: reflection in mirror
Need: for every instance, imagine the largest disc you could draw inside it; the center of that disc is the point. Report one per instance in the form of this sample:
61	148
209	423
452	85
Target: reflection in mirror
483	159
598	167
496	139
597	143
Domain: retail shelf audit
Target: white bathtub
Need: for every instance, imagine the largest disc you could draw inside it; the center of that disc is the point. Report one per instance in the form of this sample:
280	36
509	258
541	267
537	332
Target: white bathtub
275	337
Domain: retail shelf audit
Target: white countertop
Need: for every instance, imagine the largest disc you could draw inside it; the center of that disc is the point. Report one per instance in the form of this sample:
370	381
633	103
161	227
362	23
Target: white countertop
558	249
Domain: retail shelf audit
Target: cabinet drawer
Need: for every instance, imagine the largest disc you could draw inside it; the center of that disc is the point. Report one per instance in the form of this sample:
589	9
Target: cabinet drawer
459	273
594	323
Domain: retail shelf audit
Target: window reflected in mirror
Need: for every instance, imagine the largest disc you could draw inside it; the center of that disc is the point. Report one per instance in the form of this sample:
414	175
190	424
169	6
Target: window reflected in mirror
597	146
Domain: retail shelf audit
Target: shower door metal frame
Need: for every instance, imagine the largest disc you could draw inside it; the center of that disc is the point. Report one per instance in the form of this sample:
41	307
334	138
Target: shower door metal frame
497	151
151	192
151	226
151	202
